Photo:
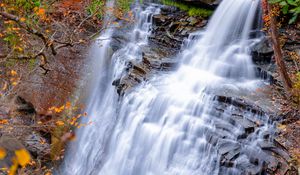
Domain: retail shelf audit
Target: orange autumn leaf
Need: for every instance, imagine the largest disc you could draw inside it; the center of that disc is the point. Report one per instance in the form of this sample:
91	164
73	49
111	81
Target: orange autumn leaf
13	72
3	121
2	153
22	19
57	109
60	123
41	11
68	105
23	157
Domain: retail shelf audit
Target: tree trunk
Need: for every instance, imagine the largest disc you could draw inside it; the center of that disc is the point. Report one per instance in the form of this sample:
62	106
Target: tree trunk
277	48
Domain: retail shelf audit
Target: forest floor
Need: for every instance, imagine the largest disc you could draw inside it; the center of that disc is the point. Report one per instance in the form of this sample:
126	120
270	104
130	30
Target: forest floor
35	101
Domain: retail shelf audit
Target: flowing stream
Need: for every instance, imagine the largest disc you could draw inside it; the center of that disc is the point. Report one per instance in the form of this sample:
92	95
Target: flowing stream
170	125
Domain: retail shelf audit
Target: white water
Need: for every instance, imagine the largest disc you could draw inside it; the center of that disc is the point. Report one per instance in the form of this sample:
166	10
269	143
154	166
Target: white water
163	126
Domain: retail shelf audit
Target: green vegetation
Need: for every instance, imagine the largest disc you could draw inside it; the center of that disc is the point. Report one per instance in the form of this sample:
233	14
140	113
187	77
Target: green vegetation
95	8
289	7
124	5
191	10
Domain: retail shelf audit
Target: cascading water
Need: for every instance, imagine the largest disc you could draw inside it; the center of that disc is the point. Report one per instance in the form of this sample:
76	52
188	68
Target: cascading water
103	98
171	124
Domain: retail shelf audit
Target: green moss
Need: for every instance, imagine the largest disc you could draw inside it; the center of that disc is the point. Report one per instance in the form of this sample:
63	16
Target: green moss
124	5
95	7
191	10
31	64
200	12
10	63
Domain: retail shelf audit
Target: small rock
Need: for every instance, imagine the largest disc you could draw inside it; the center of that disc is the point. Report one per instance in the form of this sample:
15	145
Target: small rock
37	145
192	20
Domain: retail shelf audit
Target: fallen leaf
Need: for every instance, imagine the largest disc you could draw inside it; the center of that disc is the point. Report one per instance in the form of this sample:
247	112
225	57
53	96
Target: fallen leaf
2	153
60	123
281	126
13	72
23	157
22	19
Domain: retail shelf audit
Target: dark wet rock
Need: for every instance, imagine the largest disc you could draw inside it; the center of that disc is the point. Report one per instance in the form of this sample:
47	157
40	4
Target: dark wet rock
265	75
263	58
212	139
137	72
262	52
238	155
164	65
246	124
240	103
172	26
225	146
118	38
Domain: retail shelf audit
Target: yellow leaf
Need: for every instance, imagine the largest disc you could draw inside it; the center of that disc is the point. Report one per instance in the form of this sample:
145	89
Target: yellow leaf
3	169
60	109
13	168
2	153
13	72
60	123
23	157
14	83
19	49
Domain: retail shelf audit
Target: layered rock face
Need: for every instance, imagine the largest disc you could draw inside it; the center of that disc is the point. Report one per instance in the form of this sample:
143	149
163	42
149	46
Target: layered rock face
170	30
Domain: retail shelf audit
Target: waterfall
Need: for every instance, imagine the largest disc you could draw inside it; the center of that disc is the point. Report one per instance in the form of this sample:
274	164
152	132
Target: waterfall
170	125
